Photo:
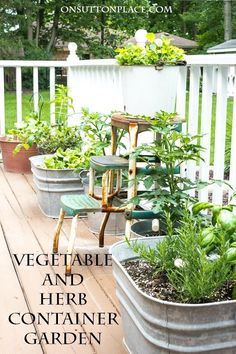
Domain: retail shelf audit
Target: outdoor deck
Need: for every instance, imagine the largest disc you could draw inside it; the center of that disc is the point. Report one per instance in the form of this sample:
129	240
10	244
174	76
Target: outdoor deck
24	229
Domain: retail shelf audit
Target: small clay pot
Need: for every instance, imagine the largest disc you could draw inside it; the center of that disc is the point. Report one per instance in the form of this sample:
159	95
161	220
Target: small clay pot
18	163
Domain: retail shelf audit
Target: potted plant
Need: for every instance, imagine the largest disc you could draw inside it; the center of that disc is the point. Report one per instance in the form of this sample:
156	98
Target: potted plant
166	189
177	293
55	175
149	74
20	144
56	171
34	135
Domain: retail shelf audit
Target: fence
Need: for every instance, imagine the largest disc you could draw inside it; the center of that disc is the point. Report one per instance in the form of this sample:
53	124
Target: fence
96	84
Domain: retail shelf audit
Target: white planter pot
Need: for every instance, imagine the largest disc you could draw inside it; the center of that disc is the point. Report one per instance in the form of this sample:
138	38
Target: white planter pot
147	90
153	326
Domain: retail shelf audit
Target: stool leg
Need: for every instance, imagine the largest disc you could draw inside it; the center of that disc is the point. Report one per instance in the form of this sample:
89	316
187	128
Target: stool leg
128	229
132	184
71	245
58	230
102	229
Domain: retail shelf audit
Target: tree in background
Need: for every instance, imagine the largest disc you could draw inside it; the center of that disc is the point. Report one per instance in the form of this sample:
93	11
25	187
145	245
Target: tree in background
31	28
227	19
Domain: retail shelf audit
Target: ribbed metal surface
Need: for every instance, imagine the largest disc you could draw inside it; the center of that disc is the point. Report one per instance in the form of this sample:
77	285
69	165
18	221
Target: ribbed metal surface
152	326
52	184
116	222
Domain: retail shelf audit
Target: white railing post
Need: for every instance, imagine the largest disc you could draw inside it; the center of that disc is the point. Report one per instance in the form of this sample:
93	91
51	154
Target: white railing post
193	116
206	117
18	95
219	153
52	96
2	102
181	104
36	88
72	83
232	176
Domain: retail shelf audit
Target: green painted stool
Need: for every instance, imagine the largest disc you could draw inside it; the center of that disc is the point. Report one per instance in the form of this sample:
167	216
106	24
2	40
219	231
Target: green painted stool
74	205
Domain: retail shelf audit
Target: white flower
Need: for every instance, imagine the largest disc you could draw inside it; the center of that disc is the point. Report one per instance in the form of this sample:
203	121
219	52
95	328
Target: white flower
213	257
179	263
159	42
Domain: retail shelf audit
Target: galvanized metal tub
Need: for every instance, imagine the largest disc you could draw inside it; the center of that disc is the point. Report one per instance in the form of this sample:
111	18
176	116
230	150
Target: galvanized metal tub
153	326
52	184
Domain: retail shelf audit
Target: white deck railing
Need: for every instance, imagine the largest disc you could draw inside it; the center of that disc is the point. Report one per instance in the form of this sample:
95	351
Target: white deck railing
96	84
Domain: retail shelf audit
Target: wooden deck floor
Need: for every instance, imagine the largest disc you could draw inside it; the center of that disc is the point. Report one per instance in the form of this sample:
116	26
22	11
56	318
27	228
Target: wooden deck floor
24	229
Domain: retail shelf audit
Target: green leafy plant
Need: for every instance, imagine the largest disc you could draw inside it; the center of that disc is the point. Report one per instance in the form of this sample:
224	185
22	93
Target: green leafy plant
155	52
62	103
166	189
194	275
29	131
223	222
96	129
68	159
34	130
51	138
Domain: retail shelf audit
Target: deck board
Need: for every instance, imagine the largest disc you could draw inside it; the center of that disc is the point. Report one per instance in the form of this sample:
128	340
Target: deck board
24	224
12	300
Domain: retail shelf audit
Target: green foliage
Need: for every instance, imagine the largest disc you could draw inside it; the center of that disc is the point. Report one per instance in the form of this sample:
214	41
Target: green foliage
97	131
51	138
29	131
172	148
62	103
31	52
99	33
195	276
154	53
34	130
223	224
68	159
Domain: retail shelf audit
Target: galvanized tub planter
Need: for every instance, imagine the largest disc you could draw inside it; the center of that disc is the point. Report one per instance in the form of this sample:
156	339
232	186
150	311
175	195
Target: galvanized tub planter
152	326
116	222
52	184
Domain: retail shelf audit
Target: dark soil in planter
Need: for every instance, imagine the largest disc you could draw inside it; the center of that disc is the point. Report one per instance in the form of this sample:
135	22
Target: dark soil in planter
157	285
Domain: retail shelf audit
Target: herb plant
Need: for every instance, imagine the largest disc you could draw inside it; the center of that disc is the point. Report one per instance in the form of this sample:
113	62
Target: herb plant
194	275
156	52
52	138
223	222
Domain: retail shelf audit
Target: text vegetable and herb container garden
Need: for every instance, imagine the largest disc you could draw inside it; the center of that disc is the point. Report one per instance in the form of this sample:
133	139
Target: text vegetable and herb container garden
177	293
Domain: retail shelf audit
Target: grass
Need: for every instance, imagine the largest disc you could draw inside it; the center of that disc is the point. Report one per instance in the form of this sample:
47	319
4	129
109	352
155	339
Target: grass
27	107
